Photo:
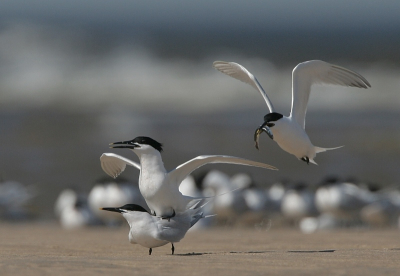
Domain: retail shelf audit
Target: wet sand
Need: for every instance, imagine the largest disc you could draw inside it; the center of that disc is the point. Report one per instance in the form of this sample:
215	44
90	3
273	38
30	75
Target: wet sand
46	249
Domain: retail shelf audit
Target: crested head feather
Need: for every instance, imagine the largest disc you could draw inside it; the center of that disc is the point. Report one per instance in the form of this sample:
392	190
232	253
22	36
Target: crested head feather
148	141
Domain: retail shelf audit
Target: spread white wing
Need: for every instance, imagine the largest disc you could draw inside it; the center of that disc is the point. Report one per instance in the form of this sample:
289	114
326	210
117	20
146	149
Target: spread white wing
114	164
237	71
183	170
316	71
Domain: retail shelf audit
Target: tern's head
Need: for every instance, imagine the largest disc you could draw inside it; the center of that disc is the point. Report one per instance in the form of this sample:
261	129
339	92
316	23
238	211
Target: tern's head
270	118
269	122
140	143
125	209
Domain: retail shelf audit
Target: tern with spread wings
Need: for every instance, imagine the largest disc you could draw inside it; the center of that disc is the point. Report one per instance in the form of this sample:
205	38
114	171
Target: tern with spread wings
289	132
160	188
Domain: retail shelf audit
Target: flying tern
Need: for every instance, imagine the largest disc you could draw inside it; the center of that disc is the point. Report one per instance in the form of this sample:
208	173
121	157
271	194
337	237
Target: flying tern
289	132
160	188
151	231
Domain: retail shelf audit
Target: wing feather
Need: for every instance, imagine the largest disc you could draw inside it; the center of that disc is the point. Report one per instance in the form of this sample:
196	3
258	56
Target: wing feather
238	72
183	170
114	164
316	71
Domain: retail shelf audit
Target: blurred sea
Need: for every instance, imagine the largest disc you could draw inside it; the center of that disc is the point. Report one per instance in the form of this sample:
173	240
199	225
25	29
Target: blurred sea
64	96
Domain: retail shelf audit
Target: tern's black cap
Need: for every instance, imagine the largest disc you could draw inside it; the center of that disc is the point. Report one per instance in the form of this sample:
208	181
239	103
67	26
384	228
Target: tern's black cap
272	117
148	141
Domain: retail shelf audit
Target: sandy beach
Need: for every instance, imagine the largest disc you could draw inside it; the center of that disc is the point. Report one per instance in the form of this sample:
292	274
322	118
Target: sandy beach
46	249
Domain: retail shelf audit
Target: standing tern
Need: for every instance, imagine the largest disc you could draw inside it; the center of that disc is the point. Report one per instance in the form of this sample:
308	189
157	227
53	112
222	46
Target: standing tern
72	210
160	188
151	231
289	132
109	192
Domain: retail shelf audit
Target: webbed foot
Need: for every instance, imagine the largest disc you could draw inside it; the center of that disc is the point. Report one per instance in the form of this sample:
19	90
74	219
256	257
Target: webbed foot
305	159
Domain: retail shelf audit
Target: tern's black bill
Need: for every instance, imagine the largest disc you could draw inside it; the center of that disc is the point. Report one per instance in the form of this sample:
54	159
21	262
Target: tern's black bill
122	142
118	210
124	145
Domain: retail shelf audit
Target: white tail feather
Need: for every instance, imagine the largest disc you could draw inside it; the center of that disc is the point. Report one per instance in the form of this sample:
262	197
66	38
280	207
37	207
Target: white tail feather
318	149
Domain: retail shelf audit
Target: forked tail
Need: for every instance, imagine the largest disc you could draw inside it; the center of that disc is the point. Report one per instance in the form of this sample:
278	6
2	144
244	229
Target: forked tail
195	206
201	201
318	150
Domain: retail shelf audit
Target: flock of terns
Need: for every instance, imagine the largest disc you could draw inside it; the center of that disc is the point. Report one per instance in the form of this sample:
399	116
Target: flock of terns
165	205
331	204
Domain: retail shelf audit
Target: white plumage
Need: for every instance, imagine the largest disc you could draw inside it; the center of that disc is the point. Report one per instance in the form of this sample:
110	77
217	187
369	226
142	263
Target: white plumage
159	187
151	231
289	132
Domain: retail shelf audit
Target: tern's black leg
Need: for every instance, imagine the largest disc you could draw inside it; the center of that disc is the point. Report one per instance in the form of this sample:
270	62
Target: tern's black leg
172	249
150	250
306	159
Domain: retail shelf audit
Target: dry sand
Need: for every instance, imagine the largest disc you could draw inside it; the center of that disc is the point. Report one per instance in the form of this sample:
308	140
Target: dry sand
46	249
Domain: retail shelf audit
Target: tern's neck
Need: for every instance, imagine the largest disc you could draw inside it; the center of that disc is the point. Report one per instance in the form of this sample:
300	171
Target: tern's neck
151	162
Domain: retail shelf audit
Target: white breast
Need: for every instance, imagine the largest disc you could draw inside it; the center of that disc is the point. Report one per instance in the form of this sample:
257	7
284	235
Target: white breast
143	230
292	138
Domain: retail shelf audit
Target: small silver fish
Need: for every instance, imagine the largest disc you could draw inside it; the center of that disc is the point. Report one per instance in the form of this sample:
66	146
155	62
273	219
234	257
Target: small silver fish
261	129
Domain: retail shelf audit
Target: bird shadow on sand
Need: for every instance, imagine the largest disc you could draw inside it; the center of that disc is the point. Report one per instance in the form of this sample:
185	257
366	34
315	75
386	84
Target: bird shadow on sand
312	251
255	252
224	253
